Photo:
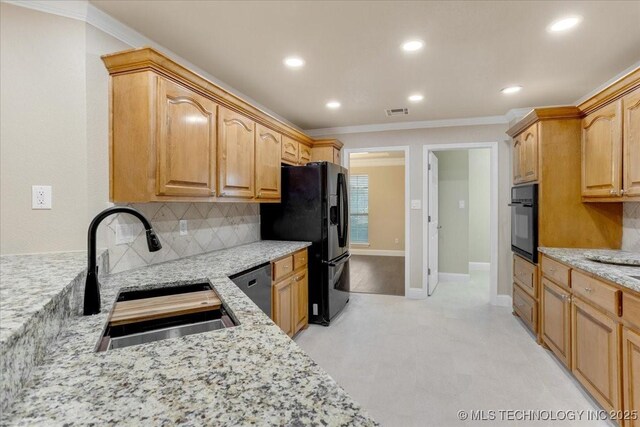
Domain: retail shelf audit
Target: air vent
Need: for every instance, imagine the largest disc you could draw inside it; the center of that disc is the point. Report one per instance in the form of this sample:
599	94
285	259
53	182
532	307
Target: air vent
397	112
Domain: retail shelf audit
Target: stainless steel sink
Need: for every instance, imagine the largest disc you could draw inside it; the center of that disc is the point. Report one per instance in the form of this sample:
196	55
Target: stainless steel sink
142	332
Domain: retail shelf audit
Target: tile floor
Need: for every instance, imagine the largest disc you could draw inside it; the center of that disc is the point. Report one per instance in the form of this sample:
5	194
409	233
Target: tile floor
417	362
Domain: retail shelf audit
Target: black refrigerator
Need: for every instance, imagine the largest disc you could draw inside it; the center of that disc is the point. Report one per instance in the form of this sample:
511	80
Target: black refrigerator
315	207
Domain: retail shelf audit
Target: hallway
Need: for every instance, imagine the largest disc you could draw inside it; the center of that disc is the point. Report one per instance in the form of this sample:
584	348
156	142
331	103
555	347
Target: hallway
418	362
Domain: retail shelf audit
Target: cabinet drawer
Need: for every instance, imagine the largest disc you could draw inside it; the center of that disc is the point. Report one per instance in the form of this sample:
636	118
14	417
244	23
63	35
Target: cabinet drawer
595	291
555	271
282	267
525	274
526	307
299	259
631	309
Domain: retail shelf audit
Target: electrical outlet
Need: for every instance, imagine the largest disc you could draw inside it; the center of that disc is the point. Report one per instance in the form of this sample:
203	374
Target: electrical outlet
41	197
183	227
461	204
416	204
397	240
124	234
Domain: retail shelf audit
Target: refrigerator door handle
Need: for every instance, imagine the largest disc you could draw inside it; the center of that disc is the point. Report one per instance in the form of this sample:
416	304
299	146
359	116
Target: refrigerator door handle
342	211
338	262
345	195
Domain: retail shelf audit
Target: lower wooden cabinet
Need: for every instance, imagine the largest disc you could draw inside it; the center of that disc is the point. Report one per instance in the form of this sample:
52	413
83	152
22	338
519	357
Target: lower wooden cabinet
526	307
291	293
283	306
596	354
555	325
300	298
631	373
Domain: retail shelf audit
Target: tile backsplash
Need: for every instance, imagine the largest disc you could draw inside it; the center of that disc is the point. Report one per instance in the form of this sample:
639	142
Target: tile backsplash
210	226
631	227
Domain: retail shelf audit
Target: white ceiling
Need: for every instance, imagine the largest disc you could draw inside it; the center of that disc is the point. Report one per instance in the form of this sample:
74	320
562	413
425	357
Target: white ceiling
352	52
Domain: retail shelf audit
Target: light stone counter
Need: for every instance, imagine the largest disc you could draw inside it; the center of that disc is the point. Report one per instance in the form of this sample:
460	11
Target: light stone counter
251	374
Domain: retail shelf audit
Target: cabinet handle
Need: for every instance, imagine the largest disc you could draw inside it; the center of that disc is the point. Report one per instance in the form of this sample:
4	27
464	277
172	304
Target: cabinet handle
222	194
622	191
213	192
552	270
588	290
259	193
613	192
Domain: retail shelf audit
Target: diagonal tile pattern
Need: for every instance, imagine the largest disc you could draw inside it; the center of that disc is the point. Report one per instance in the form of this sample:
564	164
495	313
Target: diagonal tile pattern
210	227
631	227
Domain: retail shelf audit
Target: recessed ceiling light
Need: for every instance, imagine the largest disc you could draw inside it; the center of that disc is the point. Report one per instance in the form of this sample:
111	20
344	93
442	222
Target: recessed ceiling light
564	24
412	45
511	89
333	105
293	62
416	98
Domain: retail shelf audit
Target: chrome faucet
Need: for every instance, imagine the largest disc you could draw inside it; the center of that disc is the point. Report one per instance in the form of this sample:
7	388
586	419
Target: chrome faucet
92	286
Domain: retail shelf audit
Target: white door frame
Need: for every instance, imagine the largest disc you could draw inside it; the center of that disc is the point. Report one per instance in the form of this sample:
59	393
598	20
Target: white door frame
493	227
407	234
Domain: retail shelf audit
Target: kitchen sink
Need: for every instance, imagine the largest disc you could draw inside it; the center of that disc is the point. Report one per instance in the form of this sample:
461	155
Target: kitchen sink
148	315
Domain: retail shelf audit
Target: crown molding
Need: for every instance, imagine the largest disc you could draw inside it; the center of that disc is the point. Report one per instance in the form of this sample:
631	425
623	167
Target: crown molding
608	83
82	10
383	127
517	113
364	163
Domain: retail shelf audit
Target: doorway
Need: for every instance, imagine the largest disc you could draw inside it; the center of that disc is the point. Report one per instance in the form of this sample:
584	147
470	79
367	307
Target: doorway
460	217
378	223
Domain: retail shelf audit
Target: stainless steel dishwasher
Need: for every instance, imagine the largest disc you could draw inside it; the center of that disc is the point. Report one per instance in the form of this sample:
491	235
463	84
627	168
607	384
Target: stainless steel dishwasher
256	283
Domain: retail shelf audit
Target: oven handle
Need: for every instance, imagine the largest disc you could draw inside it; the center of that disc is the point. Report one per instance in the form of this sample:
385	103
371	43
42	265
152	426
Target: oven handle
525	205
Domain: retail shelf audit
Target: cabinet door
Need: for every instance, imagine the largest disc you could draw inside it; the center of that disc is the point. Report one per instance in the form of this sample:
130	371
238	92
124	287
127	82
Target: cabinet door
631	373
235	155
602	152
529	154
516	154
268	146
305	154
300	300
631	143
282	308
556	320
289	150
336	156
186	142
595	342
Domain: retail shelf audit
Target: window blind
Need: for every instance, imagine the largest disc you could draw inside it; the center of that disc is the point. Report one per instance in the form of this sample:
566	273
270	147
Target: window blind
359	208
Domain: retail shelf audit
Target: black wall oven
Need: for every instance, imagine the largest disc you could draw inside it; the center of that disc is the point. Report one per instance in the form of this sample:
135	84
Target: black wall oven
524	221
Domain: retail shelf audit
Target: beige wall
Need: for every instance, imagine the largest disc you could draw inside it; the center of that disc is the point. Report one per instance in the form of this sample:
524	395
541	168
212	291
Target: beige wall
479	205
386	206
43	135
416	139
453	187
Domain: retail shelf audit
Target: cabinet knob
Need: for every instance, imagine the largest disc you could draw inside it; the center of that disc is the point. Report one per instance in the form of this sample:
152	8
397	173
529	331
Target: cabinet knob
613	192
588	290
213	192
622	191
259	193
222	194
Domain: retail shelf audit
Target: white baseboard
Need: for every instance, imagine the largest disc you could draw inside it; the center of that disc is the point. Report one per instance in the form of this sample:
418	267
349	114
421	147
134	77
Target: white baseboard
503	301
453	277
416	293
375	252
479	266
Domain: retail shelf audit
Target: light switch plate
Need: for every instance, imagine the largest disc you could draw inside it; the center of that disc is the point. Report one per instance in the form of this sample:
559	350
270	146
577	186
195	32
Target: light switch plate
416	204
183	227
41	197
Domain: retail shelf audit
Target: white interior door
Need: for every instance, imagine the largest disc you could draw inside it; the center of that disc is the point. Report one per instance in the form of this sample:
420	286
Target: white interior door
434	228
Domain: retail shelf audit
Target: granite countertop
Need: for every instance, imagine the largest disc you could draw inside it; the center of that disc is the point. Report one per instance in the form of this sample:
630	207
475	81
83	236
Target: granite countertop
249	374
618	274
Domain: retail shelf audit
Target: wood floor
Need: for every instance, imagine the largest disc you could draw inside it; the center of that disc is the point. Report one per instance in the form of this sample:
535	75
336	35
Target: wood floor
377	274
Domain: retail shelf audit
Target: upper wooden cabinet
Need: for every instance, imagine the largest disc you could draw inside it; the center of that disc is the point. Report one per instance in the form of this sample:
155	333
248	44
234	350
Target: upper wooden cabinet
304	154
236	136
602	152
327	150
268	148
525	156
175	136
631	144
186	142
